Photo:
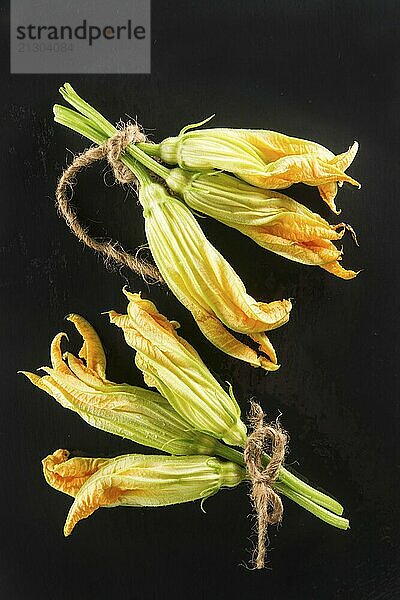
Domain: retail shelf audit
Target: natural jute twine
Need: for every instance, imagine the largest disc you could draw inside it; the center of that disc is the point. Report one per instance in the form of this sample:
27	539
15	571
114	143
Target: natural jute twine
111	151
267	503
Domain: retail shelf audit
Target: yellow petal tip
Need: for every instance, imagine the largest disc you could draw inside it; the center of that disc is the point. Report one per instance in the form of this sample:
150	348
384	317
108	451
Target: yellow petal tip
33	378
267	365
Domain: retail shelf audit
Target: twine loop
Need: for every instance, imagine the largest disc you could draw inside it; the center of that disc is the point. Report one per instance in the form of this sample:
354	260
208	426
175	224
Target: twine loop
116	145
267	503
110	150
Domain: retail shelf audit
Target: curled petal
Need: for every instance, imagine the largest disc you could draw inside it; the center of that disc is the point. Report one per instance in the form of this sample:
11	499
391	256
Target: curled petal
85	374
69	474
343	161
336	269
299	228
305	168
56	356
217	333
274	145
265	346
92	350
328	193
95	494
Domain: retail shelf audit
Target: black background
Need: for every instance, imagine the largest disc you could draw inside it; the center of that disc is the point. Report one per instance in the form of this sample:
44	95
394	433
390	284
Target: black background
322	70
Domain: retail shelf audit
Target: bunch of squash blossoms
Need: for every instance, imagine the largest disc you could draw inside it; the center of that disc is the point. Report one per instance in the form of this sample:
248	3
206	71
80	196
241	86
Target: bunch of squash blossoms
230	175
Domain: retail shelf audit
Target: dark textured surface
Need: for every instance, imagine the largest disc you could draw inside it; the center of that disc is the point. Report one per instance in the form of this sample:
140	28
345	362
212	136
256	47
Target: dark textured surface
319	70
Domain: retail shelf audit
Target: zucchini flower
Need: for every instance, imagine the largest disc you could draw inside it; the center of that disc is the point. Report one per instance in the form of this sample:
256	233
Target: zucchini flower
172	365
272	220
265	159
205	283
140	415
139	480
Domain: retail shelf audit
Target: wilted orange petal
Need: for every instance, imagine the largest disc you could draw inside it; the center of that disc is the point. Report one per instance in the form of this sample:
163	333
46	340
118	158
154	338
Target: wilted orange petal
299	228
310	253
308	169
344	160
216	332
99	495
56	354
336	269
278	312
274	145
92	350
85	374
68	475
266	347
40	382
328	193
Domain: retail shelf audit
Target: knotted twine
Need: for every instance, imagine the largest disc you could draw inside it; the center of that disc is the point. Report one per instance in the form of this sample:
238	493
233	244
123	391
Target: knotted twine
110	150
267	503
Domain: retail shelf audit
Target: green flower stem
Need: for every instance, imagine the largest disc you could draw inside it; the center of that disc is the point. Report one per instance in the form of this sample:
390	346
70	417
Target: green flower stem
306	490
230	454
289	481
150	149
70	96
315	509
292	487
86	127
73	120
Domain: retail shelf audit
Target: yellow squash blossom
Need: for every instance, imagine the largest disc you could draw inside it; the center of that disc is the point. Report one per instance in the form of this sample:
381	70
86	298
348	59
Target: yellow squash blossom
136	480
139	480
272	220
140	415
205	283
173	366
265	159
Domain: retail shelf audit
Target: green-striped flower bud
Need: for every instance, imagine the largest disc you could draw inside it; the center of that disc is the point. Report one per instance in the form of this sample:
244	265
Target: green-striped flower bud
205	282
138	480
266	159
272	220
173	366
